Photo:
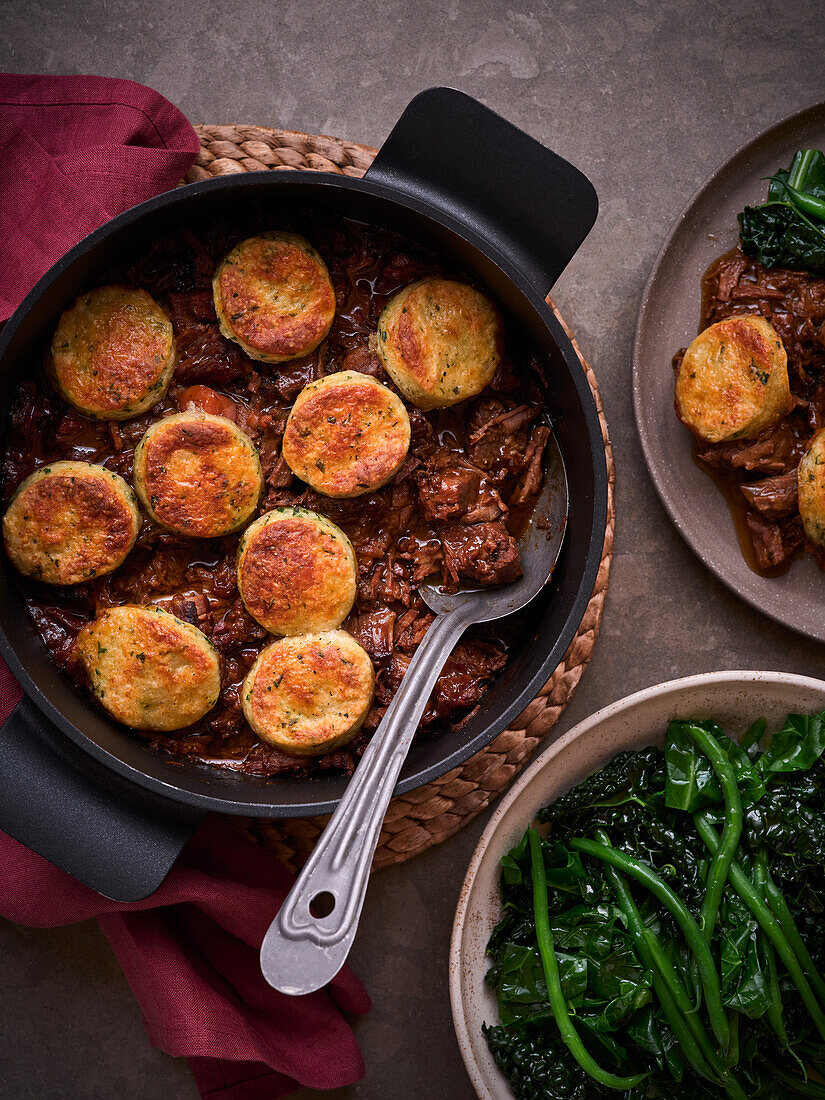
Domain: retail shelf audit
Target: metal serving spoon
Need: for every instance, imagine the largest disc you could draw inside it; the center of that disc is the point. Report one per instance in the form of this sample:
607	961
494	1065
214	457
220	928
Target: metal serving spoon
303	950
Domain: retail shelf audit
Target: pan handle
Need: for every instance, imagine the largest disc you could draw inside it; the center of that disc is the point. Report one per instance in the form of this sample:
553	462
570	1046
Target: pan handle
450	150
101	829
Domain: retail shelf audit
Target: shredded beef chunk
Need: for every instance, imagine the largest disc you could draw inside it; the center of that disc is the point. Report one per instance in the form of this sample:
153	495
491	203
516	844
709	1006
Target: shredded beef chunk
236	629
343	760
373	630
424	558
400	270
774	547
364	360
290	378
59	629
388	582
266	760
273	464
530	481
279	474
390	676
497	436
767	543
774	497
145	575
411	627
467	674
203	354
194	609
422	435
775	452
486	553
408	468
450	488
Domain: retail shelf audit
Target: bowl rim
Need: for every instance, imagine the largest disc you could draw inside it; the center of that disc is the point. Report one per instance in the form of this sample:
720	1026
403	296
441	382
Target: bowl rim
662	690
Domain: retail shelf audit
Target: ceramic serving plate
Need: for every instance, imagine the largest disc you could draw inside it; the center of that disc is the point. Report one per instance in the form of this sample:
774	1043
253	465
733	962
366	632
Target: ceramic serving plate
669	319
735	699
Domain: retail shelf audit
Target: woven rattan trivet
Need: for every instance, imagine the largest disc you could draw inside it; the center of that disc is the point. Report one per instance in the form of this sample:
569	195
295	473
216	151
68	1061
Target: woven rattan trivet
430	814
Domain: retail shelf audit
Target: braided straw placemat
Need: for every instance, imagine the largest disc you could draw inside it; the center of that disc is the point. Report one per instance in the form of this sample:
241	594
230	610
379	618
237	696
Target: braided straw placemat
426	816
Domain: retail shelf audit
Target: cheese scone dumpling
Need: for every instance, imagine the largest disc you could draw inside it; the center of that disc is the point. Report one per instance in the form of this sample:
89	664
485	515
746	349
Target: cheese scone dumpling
113	353
346	434
733	380
296	572
810	477
440	341
197	474
149	669
274	297
309	694
70	522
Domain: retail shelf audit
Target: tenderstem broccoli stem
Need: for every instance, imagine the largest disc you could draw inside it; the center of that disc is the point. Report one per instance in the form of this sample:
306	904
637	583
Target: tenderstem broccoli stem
731	831
767	922
808	204
732	1053
779	908
550	966
708	974
801	1088
802	162
775	1017
685	1024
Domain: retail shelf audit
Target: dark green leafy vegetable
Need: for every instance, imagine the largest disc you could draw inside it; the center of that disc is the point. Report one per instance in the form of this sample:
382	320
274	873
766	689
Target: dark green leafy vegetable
633	981
789	229
691	781
799	743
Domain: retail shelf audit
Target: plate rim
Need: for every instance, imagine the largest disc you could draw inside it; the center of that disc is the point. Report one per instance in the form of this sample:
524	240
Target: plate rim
775	613
662	690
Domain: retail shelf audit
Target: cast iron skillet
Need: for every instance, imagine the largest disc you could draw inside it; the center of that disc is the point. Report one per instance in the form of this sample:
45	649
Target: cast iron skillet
83	791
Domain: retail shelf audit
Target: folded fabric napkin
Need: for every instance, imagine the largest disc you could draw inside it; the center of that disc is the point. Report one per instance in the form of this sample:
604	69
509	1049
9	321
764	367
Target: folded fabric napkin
74	151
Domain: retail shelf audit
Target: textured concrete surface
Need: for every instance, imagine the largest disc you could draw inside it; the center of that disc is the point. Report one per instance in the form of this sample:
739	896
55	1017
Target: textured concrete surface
647	98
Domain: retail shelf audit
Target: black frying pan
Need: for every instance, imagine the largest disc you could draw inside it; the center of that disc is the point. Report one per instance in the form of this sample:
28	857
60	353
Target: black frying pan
91	797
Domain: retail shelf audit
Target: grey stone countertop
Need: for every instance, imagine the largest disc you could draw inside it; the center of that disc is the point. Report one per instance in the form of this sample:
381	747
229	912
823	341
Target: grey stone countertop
647	97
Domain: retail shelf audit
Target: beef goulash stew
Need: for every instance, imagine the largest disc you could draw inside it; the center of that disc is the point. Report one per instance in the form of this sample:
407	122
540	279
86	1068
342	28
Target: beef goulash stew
751	386
240	457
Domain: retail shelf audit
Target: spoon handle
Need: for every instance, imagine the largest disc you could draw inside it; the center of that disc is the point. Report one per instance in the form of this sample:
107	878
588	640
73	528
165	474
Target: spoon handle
302	952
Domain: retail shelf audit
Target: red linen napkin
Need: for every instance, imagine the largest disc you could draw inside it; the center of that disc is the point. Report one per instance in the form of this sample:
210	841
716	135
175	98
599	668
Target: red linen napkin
74	151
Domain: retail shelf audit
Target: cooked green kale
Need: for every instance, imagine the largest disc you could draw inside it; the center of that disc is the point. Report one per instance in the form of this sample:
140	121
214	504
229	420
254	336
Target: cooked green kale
665	927
789	229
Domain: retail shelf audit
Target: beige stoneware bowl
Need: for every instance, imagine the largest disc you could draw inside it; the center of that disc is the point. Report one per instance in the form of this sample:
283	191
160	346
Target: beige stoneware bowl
735	699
